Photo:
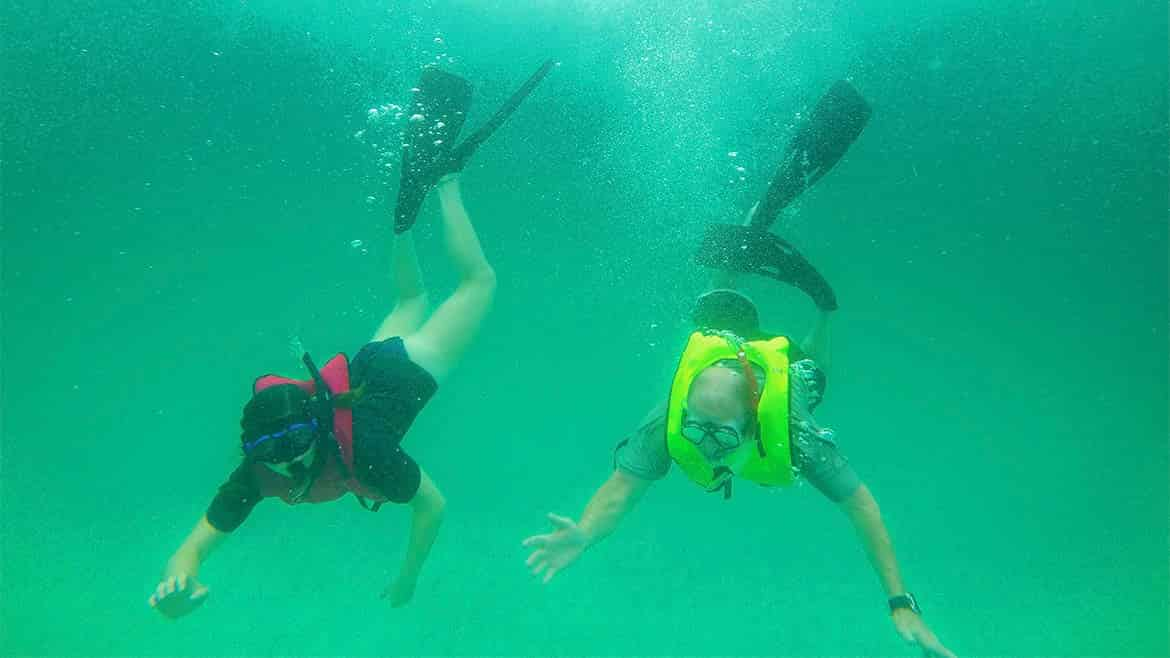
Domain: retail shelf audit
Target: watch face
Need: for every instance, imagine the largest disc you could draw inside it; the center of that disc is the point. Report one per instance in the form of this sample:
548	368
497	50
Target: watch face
906	601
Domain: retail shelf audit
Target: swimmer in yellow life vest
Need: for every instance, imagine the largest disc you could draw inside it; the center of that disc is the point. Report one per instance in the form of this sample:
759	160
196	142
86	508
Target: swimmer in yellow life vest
740	403
738	408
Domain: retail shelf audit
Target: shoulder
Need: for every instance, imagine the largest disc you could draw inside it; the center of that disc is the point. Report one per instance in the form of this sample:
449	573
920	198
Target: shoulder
823	465
643	452
656	417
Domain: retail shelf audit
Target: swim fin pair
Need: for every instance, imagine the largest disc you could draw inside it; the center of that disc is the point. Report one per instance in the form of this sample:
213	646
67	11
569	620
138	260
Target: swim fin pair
832	127
440	106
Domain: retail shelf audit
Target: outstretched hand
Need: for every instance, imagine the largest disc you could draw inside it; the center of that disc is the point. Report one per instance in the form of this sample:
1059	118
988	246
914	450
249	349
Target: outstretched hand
178	596
558	549
915	631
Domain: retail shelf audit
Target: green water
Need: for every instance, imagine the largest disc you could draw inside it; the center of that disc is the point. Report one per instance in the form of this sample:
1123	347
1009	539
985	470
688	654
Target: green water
182	190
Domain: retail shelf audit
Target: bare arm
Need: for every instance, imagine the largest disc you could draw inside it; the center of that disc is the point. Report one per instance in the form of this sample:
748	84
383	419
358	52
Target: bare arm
863	512
179	593
194	550
427	508
610	504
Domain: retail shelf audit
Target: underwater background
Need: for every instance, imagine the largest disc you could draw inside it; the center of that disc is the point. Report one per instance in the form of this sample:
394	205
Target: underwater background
186	201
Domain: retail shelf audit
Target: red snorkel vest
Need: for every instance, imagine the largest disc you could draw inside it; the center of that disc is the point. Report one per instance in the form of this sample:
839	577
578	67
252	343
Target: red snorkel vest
336	478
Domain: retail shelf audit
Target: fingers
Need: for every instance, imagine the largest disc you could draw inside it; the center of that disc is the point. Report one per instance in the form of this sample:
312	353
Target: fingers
159	593
561	522
537	541
176	584
535	557
539	563
162	591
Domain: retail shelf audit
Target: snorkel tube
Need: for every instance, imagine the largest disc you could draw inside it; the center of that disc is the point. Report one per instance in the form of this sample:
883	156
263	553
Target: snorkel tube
320	408
320	404
753	383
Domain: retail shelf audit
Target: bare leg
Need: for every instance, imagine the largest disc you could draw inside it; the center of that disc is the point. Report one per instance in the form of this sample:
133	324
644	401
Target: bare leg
438	345
816	344
410	306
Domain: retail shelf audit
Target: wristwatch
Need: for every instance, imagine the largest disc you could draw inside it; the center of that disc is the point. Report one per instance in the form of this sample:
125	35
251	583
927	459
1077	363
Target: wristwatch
906	601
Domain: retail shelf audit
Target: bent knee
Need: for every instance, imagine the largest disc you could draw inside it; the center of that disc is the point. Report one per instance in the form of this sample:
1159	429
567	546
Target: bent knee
414	303
483	279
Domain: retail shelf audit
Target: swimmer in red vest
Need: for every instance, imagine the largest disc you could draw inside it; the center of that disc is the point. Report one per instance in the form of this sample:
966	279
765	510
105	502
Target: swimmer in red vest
339	430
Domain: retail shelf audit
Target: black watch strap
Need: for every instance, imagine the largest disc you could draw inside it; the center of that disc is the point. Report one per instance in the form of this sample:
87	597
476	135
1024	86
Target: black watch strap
906	601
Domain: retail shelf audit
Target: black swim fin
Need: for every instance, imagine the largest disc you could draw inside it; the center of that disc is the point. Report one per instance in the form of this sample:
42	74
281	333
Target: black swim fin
428	149
754	250
835	123
437	114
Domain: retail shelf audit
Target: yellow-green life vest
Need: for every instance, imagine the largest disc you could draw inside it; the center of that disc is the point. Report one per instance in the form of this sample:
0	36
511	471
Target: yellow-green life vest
767	460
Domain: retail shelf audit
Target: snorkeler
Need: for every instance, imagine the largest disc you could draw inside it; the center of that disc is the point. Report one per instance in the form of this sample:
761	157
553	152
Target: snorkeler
741	402
339	431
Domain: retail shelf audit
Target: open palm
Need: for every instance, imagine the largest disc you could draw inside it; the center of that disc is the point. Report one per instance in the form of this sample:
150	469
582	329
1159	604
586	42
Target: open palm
556	550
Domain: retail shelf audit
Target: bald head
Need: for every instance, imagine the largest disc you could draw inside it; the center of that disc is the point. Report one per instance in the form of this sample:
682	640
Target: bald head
719	395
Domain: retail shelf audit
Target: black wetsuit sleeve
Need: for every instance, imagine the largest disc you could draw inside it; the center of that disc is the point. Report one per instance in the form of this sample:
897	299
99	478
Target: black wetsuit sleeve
387	468
234	500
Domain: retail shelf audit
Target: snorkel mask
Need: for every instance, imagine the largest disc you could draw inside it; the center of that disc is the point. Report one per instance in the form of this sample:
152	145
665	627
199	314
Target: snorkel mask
284	445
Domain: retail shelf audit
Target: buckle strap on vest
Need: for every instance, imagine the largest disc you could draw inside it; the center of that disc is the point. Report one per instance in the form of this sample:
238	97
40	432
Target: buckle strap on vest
724	486
366	504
